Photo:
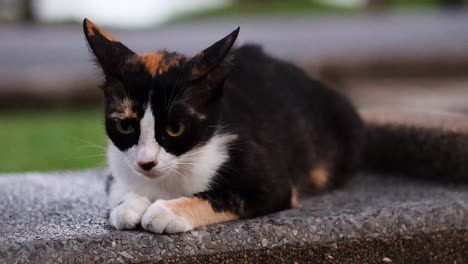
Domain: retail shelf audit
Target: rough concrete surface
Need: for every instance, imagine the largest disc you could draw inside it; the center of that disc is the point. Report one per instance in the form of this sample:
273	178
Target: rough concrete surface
61	217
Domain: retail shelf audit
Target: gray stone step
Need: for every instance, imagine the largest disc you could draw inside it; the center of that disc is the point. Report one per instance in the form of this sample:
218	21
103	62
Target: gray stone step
61	217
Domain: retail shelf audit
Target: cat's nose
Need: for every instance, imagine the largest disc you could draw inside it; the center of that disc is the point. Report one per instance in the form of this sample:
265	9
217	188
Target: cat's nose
147	165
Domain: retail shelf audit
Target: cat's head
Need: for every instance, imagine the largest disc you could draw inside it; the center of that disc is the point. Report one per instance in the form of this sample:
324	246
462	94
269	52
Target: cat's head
159	106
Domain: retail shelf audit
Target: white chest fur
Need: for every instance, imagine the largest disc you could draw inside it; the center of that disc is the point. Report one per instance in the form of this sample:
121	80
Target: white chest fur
195	172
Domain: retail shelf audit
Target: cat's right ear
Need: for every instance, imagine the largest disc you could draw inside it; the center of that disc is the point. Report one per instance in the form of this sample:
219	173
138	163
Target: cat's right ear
110	53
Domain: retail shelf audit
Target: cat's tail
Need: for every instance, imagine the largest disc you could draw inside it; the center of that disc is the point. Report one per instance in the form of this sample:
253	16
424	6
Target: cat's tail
425	145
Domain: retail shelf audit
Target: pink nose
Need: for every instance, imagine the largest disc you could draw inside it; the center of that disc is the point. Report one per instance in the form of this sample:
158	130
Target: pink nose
147	165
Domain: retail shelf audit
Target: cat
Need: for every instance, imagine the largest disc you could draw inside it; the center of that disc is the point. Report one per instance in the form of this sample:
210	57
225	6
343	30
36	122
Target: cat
229	133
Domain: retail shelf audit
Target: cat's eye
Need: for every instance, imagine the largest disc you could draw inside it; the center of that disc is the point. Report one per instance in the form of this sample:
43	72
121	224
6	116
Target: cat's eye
176	129
125	127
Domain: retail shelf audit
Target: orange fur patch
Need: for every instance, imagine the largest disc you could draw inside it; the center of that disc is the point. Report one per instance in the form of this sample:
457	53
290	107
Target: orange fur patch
92	28
158	63
198	212
198	70
123	109
294	198
319	177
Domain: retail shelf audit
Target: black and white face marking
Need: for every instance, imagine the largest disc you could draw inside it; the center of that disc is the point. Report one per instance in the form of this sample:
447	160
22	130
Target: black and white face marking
162	135
158	148
160	107
146	156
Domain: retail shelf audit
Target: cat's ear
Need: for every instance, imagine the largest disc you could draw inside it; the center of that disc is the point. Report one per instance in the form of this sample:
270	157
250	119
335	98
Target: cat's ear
209	59
209	69
110	53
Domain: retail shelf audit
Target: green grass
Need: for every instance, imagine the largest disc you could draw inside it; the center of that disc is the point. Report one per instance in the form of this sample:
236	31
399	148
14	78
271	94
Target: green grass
44	141
272	7
295	7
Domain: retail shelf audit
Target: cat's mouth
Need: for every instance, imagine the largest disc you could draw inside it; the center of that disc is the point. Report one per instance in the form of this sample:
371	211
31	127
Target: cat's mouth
150	174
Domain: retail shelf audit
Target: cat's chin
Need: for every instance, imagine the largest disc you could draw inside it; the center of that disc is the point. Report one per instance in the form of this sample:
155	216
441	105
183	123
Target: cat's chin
150	175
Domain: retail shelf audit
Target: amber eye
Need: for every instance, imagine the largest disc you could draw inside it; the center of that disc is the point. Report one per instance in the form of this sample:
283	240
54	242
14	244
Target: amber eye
125	127
175	130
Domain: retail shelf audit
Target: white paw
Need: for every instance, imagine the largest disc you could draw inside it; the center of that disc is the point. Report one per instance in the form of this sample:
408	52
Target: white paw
160	219
128	214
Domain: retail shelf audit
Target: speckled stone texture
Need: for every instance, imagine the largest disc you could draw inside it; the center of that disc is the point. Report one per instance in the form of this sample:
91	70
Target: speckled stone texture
61	217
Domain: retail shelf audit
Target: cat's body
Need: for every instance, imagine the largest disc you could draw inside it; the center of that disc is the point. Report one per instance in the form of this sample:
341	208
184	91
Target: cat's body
223	135
291	132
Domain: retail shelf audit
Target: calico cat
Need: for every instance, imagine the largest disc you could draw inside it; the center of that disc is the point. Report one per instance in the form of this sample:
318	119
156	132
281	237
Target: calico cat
229	133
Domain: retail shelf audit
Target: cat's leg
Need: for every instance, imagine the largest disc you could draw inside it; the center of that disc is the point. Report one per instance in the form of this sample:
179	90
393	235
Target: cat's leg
129	211
182	214
186	213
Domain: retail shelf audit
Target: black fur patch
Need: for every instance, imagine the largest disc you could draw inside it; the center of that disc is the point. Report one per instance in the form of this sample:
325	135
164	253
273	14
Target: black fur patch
109	182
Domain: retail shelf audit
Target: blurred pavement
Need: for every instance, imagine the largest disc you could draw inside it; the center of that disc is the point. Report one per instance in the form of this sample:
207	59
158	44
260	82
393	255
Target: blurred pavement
36	59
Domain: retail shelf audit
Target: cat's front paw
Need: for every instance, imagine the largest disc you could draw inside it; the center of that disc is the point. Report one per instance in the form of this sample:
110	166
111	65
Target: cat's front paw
128	214
159	218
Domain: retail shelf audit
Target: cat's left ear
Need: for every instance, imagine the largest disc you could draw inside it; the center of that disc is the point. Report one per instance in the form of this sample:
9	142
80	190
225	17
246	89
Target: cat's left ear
209	59
110	53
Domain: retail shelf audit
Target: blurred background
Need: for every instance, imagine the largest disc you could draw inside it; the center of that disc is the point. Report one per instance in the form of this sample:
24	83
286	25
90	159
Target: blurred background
382	53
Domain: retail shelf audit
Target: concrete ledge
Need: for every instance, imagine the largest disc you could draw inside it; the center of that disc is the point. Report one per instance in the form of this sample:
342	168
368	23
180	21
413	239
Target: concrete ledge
61	217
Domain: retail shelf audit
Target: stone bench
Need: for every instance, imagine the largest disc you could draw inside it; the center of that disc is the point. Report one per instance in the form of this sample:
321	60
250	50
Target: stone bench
61	217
